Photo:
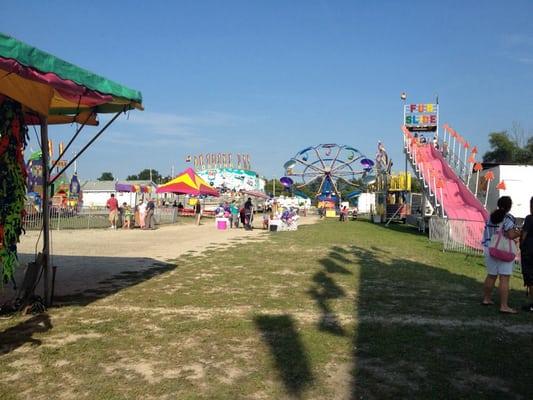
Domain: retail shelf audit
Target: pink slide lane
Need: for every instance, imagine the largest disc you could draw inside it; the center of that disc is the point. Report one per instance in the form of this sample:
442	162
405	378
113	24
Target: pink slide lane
458	201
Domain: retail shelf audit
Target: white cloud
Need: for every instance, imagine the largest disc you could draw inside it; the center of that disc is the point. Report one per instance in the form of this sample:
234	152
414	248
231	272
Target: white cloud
158	130
154	128
525	60
167	124
518	47
517	40
143	140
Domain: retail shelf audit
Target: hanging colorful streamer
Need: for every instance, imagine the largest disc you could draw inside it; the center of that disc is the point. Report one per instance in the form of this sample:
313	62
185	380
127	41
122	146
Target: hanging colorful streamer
13	139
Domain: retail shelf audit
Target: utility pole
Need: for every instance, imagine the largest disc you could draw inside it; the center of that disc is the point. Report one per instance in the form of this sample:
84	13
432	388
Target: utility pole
403	96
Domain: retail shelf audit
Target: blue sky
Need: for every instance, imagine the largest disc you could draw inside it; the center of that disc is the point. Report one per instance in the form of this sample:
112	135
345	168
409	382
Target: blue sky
269	78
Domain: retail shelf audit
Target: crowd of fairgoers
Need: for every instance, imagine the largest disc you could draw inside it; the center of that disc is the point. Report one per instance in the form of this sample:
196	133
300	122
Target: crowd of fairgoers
241	213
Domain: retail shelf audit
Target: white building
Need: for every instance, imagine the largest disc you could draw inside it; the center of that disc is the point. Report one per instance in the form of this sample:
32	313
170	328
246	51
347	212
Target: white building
96	193
518	181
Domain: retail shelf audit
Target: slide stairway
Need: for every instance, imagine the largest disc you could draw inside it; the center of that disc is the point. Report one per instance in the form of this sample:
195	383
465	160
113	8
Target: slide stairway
446	187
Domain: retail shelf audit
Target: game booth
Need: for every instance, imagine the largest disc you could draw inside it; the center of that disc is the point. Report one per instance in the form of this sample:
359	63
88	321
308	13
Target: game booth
37	88
66	194
191	184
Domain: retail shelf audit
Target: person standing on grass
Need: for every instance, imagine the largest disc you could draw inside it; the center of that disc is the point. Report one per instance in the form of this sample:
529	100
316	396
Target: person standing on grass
198	211
112	206
526	252
502	219
248	214
343	217
150	219
142	214
242	216
234	214
126	216
266	216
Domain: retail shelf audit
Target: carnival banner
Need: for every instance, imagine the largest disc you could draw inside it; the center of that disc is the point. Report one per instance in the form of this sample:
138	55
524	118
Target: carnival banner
219	160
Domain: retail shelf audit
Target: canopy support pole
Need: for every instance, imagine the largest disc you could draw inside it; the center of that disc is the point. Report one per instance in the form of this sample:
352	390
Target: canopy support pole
47	183
86	147
46	207
59	157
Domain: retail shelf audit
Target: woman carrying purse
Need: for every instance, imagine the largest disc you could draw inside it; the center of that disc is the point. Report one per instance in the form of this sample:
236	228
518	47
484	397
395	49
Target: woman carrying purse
500	219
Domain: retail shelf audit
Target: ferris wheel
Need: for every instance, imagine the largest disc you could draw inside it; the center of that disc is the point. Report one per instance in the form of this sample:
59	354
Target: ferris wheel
325	165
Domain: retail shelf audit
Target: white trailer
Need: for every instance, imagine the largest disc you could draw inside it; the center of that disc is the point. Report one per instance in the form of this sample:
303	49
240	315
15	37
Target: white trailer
518	182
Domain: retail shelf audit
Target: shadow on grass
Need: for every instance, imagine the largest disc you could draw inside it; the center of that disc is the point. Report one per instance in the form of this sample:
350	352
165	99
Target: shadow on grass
81	280
22	333
421	334
290	356
324	289
397	227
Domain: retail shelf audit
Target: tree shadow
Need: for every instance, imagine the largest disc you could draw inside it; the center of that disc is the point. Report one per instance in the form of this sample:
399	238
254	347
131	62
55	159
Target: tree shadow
332	267
421	333
397	227
80	280
290	356
14	337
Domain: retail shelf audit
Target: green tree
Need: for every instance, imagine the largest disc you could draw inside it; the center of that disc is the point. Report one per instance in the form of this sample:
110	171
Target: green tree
416	185
106	176
270	184
346	188
145	175
165	179
505	148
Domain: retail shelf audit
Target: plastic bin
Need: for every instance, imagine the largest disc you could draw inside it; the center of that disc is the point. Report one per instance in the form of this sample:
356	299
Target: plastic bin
222	224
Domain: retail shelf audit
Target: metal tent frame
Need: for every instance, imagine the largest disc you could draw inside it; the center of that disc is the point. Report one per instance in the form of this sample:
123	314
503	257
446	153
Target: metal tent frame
53	91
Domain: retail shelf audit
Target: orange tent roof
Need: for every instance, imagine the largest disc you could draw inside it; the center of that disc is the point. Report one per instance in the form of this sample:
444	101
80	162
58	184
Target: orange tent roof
188	183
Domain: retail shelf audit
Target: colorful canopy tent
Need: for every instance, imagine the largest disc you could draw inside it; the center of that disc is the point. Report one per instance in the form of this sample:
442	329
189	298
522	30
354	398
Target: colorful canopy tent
255	193
53	91
188	182
132	188
52	87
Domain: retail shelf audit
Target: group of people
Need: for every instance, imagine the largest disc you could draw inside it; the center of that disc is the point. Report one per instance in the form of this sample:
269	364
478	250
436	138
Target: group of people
141	216
502	222
423	140
237	215
344	212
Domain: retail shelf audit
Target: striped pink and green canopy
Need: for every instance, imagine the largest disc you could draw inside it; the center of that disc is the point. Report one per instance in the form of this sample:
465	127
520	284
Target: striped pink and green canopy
61	91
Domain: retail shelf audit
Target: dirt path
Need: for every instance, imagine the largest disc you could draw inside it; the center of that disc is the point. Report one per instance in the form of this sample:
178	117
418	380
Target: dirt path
90	259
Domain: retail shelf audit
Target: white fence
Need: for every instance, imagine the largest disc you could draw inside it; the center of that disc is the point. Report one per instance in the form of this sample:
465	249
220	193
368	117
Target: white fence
460	236
457	235
86	218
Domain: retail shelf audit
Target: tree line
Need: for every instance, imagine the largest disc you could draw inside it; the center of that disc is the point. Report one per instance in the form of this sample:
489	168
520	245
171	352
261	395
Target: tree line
145	175
510	147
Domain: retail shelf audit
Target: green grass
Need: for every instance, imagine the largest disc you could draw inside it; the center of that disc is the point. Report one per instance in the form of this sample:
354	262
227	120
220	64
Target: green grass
334	310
